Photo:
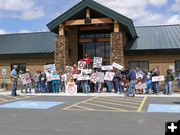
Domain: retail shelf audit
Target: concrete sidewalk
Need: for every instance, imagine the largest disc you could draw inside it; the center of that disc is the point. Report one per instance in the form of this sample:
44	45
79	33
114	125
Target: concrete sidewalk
3	92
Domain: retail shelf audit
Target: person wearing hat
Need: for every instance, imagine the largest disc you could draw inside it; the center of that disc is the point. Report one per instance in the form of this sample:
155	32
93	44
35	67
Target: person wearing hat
14	78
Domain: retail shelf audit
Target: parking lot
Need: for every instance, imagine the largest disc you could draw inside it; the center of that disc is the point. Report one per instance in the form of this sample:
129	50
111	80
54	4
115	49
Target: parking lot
87	115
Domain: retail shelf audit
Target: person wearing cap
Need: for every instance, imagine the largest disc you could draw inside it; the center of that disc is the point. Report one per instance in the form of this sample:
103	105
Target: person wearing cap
14	78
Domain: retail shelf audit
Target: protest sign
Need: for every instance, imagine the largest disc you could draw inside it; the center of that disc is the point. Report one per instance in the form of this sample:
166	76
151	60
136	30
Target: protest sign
97	62
25	78
71	89
117	66
81	65
50	67
140	86
83	77
109	76
101	77
157	78
86	71
108	67
69	70
55	77
94	78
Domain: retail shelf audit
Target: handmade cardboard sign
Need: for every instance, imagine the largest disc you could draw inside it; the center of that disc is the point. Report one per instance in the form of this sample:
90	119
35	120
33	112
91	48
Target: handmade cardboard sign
71	89
81	65
25	78
115	65
108	67
97	62
69	70
157	78
109	76
101	77
86	71
94	78
83	77
50	67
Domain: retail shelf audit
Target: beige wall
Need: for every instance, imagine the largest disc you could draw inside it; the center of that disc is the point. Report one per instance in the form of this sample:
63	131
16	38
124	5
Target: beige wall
32	64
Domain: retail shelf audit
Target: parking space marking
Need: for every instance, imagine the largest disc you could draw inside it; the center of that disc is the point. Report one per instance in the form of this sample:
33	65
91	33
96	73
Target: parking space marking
118	101
3	99
109	104
14	99
82	107
142	104
131	99
115	104
106	107
66	108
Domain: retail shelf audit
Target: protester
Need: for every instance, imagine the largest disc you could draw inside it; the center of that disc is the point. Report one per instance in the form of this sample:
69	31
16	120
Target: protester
149	83
169	82
48	81
55	82
36	78
87	60
28	85
155	85
116	80
132	77
14	78
42	79
23	86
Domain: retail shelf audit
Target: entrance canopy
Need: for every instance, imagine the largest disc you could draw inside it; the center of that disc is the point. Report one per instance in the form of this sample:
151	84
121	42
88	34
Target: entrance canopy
98	9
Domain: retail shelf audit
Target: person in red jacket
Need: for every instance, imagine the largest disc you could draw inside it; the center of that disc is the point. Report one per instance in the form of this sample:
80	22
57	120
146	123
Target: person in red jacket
87	60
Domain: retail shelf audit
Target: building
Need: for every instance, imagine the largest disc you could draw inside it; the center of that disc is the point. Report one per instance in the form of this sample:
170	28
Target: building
89	27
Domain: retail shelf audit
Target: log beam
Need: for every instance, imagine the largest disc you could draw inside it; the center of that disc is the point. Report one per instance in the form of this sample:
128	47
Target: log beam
93	21
116	26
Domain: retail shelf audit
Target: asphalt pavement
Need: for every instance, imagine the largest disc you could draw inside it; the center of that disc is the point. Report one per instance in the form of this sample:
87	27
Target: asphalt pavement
86	115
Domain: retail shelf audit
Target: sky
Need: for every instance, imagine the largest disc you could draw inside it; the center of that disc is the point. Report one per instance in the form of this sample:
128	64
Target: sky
24	16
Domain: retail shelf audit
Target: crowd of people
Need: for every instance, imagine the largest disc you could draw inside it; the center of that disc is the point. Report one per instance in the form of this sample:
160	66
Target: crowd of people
126	82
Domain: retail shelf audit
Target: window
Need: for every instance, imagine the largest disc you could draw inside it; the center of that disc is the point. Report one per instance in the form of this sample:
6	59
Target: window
143	65
21	66
177	67
96	49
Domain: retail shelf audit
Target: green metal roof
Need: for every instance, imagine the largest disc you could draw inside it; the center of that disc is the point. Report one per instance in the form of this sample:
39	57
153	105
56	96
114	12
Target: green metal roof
123	20
27	43
164	37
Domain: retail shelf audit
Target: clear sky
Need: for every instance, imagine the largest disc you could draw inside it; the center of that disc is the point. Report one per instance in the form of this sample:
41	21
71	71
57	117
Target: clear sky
21	16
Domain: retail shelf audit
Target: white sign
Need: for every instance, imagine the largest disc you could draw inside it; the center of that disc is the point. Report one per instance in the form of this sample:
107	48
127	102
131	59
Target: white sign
83	77
50	67
25	78
109	67
157	78
117	66
3	71
140	86
81	65
97	62
94	78
71	89
55	77
101	77
69	69
109	76
86	71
